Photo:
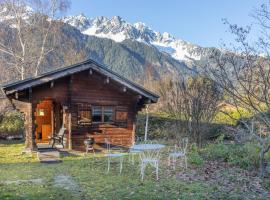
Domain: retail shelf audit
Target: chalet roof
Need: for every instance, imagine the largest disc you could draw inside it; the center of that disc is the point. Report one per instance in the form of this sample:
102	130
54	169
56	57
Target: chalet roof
13	87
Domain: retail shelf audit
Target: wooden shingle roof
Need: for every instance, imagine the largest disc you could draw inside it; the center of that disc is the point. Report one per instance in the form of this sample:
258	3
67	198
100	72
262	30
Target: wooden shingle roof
13	87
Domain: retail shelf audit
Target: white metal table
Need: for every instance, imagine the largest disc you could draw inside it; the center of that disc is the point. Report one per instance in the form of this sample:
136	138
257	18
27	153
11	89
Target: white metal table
144	147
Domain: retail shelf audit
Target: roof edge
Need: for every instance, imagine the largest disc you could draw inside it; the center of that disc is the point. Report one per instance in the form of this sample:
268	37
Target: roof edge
101	68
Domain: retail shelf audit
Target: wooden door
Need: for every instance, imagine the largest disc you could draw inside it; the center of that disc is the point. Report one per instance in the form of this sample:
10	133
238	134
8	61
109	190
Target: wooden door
44	121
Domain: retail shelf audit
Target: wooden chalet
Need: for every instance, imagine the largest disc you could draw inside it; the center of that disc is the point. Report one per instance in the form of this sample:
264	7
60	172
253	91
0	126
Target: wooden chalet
88	99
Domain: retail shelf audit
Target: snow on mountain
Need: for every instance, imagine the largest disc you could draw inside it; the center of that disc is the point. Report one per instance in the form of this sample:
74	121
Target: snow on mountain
119	30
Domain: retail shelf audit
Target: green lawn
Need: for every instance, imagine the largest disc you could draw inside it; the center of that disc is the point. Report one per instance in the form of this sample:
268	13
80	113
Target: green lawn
23	177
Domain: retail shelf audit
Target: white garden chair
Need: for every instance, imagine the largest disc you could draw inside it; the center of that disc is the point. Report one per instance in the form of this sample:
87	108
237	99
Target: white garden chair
151	158
110	155
179	152
133	152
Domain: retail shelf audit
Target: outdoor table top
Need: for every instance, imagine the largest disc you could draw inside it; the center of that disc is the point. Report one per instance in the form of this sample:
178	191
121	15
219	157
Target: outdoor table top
147	146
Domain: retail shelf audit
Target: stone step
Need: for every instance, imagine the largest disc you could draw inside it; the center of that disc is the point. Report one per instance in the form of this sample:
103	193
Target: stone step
49	156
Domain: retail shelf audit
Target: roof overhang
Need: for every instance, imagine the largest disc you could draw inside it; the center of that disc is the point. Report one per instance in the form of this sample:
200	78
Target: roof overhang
11	88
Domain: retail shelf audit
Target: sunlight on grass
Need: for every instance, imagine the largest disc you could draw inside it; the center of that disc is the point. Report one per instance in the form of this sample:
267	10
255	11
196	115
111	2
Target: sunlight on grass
89	173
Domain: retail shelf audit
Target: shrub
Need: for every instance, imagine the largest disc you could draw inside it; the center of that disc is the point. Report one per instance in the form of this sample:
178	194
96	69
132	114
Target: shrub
162	126
194	156
239	157
217	150
11	124
243	155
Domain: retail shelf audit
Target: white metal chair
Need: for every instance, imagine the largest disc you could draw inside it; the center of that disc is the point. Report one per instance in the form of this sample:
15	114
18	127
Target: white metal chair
149	157
133	152
179	151
110	155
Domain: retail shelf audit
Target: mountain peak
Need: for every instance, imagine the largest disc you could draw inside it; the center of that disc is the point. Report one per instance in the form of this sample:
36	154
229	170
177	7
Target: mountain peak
118	29
117	19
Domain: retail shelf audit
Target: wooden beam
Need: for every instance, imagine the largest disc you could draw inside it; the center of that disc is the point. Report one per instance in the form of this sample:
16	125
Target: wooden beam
16	95
70	79
124	89
29	125
107	81
148	101
30	94
52	84
90	72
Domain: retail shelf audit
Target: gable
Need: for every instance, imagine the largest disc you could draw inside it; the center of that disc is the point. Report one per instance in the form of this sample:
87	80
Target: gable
88	66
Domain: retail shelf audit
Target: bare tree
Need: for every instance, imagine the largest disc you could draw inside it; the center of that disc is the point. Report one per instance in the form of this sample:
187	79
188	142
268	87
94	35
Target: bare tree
244	75
29	32
194	101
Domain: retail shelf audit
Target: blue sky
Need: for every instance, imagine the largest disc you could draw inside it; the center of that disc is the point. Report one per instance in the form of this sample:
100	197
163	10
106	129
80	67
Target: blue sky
197	21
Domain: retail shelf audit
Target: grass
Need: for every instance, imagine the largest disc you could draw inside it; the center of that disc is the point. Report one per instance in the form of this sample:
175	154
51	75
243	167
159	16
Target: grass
92	181
89	174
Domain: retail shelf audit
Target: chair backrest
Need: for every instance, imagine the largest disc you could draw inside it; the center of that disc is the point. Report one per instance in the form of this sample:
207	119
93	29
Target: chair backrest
61	132
182	146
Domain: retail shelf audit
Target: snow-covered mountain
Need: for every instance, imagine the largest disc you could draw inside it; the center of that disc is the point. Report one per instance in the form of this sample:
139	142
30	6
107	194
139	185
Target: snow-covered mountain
119	30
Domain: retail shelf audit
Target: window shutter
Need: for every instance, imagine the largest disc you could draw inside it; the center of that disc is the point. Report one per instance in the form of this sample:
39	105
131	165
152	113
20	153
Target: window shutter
121	116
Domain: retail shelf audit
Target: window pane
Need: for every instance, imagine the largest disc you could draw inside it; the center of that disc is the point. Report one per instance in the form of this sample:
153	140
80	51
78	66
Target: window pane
97	114
40	112
108	114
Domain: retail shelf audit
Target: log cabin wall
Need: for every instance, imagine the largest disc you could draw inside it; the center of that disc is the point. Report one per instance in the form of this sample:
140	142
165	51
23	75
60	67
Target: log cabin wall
81	92
97	90
92	90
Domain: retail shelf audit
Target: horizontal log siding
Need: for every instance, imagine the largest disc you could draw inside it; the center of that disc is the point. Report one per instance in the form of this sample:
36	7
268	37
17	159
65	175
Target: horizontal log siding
93	89
59	91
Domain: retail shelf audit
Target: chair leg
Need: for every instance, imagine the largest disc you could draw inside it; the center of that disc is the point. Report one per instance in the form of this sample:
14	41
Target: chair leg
109	163
157	170
132	161
174	162
121	164
86	151
142	171
186	162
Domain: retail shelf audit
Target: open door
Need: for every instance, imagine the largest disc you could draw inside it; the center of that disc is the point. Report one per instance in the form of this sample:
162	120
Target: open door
44	121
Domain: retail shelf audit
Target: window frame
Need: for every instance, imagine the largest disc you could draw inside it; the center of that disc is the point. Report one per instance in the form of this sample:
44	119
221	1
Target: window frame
102	114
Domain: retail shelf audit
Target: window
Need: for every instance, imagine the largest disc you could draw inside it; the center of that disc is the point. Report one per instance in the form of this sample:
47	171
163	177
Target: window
102	114
97	114
108	114
40	112
84	114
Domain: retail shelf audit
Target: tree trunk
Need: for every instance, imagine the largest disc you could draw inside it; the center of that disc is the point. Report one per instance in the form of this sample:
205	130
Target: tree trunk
22	73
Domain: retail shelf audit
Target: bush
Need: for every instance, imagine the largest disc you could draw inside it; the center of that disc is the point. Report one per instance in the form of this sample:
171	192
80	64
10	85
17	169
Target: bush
217	150
11	124
243	155
194	156
162	126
